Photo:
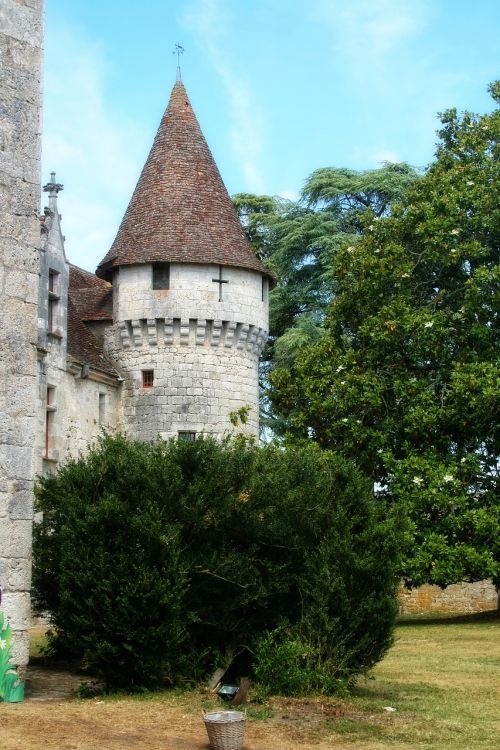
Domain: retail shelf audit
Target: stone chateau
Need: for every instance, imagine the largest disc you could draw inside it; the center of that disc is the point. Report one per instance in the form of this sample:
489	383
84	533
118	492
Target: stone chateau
164	339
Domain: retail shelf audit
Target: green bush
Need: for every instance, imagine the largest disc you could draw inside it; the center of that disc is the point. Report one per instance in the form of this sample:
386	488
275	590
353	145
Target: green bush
168	559
285	664
107	564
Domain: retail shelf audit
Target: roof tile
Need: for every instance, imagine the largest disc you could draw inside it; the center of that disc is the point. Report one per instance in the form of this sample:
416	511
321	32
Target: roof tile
84	346
89	298
180	210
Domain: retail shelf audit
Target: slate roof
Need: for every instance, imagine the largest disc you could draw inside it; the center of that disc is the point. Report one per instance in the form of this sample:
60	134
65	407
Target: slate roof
180	210
79	278
89	298
92	297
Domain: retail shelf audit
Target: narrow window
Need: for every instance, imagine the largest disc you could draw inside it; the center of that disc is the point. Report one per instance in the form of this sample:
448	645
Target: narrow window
161	275
49	419
189	436
52	317
265	288
148	378
102	408
53	299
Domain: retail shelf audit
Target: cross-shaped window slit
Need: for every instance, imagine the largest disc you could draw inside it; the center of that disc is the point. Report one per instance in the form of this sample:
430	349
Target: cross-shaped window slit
220	281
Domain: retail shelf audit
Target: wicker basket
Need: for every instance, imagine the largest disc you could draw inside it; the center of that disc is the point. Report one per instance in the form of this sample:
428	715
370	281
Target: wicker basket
225	729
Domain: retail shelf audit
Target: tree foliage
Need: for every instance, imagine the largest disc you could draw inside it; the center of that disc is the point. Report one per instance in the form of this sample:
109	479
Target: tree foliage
169	559
405	379
299	240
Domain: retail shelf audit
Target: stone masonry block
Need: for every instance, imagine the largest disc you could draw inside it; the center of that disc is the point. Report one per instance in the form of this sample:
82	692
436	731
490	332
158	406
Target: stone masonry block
15	538
20	648
137	332
21	504
17	574
17	460
16	608
184	332
21	21
152	335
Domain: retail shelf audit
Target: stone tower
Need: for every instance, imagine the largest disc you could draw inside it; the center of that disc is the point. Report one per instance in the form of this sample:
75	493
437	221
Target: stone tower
190	298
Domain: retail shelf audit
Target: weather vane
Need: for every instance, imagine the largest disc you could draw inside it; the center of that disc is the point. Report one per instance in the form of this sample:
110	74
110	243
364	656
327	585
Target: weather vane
178	50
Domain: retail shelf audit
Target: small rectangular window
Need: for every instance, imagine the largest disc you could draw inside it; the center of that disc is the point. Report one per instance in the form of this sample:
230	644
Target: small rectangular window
49	419
161	275
102	408
52	281
52	302
52	315
189	436
148	378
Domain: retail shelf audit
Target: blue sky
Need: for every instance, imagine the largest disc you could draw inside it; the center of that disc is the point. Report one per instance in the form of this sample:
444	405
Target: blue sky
280	88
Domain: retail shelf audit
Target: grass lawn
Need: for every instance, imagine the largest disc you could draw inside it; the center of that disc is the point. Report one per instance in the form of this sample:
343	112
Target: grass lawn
442	678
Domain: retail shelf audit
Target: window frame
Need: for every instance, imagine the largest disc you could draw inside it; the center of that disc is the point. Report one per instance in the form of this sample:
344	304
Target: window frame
188	435
50	408
148	379
52	300
158	273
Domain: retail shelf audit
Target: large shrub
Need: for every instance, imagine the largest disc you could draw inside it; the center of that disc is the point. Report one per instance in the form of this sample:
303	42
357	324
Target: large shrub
171	558
107	562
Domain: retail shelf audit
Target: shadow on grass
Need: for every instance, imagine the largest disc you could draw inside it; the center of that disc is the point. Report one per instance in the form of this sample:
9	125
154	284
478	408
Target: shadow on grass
436	619
374	691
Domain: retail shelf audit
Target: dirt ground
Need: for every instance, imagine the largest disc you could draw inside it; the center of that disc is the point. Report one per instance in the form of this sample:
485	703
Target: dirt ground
52	719
158	724
438	688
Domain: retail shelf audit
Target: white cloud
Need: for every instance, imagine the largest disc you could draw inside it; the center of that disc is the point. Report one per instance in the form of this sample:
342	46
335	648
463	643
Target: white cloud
370	33
373	26
210	24
94	151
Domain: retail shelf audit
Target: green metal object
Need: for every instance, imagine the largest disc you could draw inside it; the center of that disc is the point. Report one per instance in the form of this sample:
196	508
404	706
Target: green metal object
11	687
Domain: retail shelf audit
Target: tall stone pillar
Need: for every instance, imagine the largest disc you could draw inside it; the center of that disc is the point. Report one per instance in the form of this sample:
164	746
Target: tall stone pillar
21	41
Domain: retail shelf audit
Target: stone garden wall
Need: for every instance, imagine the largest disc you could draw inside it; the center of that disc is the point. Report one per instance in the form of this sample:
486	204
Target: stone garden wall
458	599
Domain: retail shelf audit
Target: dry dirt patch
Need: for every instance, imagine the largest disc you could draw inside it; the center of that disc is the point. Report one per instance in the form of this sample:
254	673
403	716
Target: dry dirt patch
50	719
128	723
443	680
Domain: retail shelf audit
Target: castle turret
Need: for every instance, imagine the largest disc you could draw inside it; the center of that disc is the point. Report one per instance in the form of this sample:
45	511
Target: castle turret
190	298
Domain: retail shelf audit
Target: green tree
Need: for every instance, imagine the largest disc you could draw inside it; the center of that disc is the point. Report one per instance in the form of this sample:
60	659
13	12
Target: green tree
298	241
405	379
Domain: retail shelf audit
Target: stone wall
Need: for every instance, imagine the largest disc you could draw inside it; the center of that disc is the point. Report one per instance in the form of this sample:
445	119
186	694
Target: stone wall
458	599
202	350
192	294
21	40
80	409
195	389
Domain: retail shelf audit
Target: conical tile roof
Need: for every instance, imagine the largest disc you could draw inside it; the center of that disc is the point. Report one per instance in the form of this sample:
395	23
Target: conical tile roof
180	210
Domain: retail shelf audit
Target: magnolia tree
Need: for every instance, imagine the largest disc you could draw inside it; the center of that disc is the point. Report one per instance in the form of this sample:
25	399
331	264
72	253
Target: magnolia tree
405	379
